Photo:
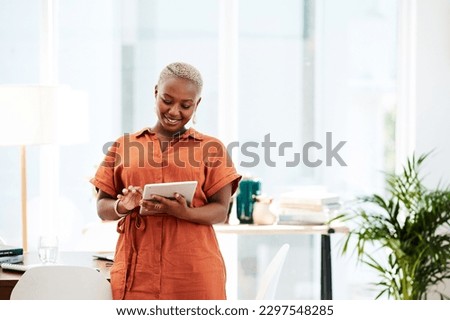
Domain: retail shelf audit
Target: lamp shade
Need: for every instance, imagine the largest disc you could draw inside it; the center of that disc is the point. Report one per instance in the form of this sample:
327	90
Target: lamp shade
40	114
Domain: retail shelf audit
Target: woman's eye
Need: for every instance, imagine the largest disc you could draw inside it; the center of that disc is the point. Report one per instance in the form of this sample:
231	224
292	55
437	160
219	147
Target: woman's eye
186	106
166	101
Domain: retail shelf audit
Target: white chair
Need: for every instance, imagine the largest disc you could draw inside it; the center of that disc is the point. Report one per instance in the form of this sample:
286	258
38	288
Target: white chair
57	282
269	280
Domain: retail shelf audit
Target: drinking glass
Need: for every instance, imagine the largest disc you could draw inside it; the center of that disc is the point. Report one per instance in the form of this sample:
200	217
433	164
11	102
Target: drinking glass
48	249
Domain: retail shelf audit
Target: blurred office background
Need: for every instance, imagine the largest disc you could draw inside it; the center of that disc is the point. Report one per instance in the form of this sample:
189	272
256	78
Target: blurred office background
374	73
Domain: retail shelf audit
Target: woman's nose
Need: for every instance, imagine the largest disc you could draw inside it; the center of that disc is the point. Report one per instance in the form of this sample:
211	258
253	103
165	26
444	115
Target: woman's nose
174	110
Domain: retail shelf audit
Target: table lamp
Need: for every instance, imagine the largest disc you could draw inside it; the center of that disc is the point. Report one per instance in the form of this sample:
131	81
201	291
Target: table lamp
39	114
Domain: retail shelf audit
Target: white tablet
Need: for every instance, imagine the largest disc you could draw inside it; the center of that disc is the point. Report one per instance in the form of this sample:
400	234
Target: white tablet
185	188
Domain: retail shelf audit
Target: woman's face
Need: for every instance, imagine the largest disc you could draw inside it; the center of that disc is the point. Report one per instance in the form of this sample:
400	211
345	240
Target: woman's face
176	101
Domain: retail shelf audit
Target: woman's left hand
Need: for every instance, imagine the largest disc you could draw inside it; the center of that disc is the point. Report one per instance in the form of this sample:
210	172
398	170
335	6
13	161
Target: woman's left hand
160	205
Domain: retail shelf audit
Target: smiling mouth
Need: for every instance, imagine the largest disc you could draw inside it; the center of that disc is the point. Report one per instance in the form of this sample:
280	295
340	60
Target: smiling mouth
172	121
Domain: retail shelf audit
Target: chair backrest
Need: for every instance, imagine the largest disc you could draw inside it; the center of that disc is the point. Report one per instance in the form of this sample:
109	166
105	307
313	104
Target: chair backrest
269	281
57	282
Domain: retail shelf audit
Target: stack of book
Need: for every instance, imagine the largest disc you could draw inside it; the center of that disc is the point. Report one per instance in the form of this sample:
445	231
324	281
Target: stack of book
10	254
302	207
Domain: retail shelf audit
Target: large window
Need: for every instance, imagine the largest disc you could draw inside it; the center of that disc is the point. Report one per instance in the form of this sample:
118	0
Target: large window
156	33
19	56
311	67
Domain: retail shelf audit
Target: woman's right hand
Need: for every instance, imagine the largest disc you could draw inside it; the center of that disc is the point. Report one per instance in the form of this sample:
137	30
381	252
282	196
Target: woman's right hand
130	197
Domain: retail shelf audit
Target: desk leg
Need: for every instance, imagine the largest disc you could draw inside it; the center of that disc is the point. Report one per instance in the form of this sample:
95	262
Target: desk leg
325	270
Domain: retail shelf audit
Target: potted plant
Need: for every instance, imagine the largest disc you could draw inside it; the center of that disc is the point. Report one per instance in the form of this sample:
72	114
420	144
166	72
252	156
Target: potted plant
407	226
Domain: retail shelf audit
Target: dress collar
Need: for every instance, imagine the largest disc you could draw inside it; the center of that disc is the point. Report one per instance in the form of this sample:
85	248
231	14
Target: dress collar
189	133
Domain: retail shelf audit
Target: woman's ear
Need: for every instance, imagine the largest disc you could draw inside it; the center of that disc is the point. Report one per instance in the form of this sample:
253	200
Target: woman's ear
156	90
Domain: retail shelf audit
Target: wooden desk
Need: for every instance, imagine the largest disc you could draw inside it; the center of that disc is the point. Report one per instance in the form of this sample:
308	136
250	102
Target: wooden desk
324	231
8	279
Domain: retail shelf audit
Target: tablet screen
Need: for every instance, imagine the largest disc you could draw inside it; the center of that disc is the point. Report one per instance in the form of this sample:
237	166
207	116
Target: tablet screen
185	188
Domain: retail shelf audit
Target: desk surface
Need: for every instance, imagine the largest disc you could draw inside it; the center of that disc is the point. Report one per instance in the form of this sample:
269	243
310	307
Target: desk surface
8	279
280	229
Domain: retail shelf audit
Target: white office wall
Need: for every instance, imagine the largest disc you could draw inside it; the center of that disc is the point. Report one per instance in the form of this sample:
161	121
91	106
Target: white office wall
433	92
433	87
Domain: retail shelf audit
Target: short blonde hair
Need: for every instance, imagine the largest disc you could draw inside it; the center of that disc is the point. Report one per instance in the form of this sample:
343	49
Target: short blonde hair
181	70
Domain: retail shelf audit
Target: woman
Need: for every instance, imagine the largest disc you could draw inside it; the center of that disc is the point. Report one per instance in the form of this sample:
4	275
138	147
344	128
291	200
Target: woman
167	249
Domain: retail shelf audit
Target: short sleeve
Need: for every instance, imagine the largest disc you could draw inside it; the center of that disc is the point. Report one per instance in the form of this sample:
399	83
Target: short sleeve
104	178
219	168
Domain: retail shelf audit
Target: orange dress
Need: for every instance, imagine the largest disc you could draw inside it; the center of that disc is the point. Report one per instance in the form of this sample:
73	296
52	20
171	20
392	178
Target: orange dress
163	257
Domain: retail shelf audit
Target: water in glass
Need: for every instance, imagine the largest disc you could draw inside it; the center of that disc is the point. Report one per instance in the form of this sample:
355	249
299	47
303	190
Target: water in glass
48	249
